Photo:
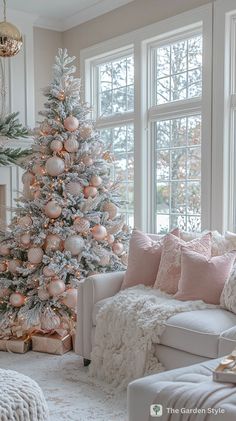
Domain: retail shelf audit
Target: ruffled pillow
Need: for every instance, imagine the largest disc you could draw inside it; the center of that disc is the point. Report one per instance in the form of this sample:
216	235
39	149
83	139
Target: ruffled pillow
228	296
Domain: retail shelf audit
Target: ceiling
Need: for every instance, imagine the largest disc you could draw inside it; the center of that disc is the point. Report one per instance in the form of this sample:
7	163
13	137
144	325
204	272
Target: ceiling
64	14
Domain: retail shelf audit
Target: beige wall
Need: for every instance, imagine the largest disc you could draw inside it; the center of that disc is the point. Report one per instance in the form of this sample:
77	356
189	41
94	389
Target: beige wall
124	19
46	43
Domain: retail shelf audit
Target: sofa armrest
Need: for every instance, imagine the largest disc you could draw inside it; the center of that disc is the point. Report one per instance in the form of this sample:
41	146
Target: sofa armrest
90	291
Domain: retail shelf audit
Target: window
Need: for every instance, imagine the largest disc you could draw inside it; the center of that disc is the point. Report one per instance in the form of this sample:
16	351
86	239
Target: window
232	121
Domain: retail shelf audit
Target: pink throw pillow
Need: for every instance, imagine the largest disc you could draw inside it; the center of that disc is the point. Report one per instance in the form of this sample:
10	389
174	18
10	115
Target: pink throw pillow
144	259
169	272
202	278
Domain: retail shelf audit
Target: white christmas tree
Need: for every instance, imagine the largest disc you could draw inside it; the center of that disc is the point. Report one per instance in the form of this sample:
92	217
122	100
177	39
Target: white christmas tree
67	224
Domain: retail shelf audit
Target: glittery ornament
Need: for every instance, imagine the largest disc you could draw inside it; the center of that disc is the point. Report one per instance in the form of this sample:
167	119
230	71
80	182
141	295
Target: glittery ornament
28	178
85	132
105	260
25	221
90	191
99	232
71	123
118	248
56	145
87	160
95	181
81	225
3	266
74	188
56	287
110	238
74	244
53	242
14	265
48	272
111	209
49	320
71	145
35	255
38	170
43	294
17	299
4	250
52	209
55	166
10	38
25	239
70	299
61	95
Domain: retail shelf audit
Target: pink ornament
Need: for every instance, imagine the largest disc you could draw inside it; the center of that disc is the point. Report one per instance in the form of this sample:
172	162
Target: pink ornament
25	239
48	272
110	238
14	265
4	250
52	209
53	242
28	178
111	209
55	166
85	132
35	255
38	170
74	244
71	145
105	260
118	248
17	299
81	225
28	192
3	266
87	160
25	221
99	232
49	320
71	123
95	181
56	288
70	299
56	145
74	188
90	191
43	294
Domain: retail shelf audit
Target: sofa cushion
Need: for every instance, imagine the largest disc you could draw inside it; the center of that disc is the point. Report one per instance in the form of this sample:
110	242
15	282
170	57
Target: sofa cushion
197	332
227	341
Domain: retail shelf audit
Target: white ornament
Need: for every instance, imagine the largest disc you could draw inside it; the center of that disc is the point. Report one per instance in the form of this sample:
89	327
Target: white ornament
55	166
81	225
35	255
95	181
4	250
70	299
99	232
71	145
14	265
53	242
118	248
52	209
90	191
17	299
74	244
25	221
56	145
71	123
74	188
111	209
56	287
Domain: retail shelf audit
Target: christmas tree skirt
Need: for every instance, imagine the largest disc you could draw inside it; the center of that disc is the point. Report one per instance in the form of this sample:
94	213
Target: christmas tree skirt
69	392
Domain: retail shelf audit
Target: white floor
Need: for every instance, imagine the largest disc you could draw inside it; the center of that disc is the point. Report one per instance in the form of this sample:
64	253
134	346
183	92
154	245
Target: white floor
70	393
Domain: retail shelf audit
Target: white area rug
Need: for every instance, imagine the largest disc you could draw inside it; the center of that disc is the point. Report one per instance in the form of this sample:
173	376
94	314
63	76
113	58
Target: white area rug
70	394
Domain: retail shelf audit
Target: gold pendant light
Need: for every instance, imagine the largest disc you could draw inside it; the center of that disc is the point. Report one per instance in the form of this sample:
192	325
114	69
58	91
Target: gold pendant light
10	37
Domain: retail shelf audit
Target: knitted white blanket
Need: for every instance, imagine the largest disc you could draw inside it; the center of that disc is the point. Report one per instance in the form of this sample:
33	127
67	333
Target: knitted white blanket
127	329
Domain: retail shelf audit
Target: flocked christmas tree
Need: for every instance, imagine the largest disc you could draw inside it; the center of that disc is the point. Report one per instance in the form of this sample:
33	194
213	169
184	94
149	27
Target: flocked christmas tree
67	223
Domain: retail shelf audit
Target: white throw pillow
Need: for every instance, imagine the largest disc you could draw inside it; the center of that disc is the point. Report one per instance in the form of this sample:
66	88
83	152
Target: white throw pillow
228	296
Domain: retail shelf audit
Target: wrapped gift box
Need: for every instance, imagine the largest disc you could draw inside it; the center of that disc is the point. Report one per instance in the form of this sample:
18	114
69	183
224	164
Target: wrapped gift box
19	346
51	344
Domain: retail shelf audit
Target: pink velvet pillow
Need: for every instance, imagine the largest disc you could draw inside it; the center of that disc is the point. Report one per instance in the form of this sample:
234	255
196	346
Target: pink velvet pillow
202	278
169	272
144	259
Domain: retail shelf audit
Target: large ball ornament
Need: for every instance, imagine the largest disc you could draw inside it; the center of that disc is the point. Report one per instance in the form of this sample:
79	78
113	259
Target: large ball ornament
28	178
81	225
56	145
70	299
74	244
110	239
95	181
50	321
25	239
118	248
38	170
111	209
25	221
56	288
90	191
99	232
14	265
17	299
74	188
3	266
43	294
4	250
35	255
85	132
53	242
87	160
55	166
52	209
48	272
71	123
10	39
71	145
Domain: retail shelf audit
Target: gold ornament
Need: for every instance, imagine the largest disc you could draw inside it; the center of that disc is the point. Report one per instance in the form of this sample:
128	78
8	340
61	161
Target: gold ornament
10	37
61	95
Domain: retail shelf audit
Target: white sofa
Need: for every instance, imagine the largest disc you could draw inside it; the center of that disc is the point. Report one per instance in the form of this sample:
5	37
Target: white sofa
189	337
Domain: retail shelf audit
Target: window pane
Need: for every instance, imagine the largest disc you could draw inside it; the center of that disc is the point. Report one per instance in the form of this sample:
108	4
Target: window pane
120	142
178	173
116	86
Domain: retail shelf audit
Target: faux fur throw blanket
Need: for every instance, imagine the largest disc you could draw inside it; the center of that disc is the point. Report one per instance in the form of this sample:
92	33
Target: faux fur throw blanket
128	327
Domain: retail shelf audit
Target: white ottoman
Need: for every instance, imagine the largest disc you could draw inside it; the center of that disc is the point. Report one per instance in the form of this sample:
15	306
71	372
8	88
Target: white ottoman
21	398
185	394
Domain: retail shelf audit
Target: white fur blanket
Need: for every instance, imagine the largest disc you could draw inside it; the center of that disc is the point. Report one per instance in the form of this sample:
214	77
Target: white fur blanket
127	329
